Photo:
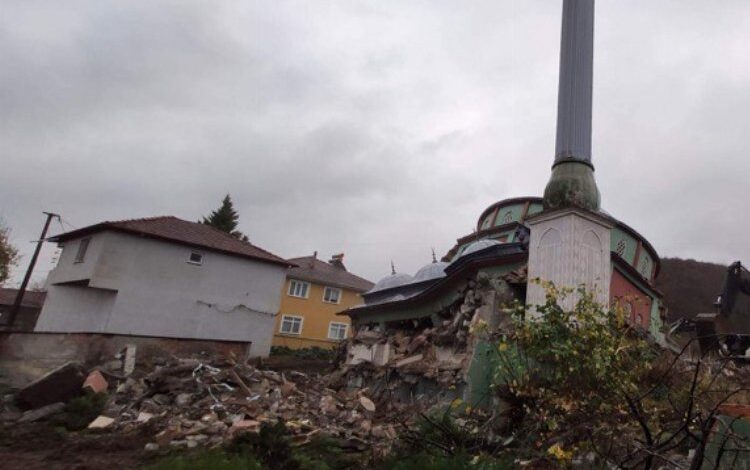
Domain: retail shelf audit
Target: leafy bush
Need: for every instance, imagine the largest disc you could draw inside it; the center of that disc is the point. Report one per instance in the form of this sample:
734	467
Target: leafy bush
588	353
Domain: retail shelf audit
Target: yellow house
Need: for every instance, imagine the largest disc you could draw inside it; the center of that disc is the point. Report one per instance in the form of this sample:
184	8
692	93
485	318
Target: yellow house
314	292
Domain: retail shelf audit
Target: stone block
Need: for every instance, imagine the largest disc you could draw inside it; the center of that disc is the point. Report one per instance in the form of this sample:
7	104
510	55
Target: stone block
41	413
60	385
101	422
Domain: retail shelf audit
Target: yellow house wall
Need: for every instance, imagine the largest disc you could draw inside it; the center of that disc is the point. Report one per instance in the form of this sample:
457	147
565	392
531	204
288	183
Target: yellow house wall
317	317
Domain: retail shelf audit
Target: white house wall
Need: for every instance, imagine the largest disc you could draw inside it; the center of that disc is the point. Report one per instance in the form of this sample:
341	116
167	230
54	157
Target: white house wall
158	293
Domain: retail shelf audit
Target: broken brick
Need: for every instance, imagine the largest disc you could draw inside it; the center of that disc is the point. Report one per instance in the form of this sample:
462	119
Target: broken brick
96	382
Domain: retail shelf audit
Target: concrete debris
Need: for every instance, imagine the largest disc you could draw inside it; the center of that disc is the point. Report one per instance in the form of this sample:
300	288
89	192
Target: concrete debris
128	365
101	422
408	360
96	382
41	413
394	371
187	403
60	385
429	358
367	404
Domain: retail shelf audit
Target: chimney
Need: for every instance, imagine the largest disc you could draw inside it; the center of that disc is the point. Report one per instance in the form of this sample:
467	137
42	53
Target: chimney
572	182
337	261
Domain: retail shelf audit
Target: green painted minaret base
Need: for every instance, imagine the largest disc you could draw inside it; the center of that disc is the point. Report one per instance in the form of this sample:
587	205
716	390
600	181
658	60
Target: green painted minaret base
572	184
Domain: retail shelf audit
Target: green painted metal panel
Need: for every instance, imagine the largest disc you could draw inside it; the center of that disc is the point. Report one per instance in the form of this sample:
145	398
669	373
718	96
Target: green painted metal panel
509	214
656	326
535	209
623	244
481	374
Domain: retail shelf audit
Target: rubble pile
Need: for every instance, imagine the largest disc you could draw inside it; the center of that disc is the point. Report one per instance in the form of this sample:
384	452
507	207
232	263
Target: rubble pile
402	361
193	402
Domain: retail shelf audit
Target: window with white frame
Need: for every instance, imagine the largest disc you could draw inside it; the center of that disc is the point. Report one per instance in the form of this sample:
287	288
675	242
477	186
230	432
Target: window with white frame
291	325
337	331
196	257
332	295
299	289
83	245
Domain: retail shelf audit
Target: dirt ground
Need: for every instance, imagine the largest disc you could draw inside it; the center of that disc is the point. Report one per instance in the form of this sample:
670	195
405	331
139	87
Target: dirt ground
38	446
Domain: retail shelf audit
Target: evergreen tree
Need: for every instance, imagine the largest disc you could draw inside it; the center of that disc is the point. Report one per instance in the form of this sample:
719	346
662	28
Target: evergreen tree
225	218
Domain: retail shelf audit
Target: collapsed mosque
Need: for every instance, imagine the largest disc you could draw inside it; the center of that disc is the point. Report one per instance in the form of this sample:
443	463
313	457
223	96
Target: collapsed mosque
421	326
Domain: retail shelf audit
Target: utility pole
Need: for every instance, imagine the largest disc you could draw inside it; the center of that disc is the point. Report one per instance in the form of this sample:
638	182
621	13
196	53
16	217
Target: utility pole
27	277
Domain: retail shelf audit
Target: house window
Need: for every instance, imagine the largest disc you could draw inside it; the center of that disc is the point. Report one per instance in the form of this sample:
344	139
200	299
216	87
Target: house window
291	325
83	245
195	258
337	331
332	295
299	289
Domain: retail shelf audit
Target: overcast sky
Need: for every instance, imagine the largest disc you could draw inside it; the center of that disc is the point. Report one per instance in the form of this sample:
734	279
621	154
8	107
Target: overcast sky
381	129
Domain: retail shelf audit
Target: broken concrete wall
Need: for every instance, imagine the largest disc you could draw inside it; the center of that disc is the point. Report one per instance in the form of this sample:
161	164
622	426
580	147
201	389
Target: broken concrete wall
444	356
25	357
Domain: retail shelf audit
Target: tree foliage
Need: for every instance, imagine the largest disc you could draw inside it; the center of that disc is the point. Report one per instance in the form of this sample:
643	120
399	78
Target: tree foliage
584	382
226	219
8	254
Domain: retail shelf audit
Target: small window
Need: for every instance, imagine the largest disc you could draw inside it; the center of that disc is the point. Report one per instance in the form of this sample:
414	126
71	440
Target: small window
337	331
83	245
299	289
508	217
645	268
195	258
332	295
621	248
291	325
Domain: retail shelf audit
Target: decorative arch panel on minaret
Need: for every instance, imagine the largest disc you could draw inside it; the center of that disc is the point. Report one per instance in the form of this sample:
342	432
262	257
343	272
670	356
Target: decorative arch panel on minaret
569	248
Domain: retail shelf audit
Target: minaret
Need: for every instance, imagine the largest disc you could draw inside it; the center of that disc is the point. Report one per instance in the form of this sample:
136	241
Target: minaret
570	240
572	182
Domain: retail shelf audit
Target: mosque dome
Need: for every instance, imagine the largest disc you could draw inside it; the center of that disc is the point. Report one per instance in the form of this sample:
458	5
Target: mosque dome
434	270
391	281
477	246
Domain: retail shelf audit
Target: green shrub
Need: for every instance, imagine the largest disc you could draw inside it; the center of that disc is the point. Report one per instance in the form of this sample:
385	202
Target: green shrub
304	353
211	459
80	411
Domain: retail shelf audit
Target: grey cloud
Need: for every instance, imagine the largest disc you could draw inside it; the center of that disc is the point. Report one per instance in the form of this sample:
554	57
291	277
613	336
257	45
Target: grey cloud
378	128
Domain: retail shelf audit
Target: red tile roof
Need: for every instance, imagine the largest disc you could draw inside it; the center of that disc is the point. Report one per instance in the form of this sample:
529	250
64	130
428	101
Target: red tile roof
309	268
172	229
31	298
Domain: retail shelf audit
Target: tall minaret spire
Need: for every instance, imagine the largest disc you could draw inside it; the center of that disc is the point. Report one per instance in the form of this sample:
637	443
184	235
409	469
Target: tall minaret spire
572	182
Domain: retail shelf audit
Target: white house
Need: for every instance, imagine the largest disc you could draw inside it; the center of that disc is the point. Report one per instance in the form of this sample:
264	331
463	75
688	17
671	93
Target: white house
163	277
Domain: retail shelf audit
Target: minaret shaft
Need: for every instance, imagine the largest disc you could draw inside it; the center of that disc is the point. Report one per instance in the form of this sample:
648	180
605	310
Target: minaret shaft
576	79
572	182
